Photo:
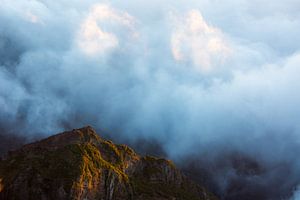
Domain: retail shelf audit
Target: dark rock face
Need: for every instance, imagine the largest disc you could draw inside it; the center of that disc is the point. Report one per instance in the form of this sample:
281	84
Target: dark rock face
81	165
237	176
9	142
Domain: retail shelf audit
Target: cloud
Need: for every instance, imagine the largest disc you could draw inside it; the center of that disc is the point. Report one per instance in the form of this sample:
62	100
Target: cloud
209	77
296	195
92	39
194	40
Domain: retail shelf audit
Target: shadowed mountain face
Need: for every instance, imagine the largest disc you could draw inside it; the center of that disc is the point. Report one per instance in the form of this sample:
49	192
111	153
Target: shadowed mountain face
80	165
9	142
236	176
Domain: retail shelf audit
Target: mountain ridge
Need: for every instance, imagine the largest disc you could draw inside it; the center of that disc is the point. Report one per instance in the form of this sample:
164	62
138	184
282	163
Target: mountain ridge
79	164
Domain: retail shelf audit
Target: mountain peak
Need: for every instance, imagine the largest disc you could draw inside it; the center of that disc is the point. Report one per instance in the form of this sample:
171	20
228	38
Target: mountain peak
88	130
84	134
78	164
75	136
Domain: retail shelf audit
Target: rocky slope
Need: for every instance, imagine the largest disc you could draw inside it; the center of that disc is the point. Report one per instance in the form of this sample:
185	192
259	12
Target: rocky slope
80	165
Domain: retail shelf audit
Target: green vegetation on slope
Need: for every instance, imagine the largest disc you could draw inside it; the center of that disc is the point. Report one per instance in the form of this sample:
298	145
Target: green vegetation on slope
79	164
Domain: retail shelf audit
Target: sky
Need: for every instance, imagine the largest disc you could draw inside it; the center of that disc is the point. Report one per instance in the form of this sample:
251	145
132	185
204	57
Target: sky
197	76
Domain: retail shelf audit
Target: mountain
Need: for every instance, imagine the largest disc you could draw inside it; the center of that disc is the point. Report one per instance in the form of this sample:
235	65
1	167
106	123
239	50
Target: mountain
79	164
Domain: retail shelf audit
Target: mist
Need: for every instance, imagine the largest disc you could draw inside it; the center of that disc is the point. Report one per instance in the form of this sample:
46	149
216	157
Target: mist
204	80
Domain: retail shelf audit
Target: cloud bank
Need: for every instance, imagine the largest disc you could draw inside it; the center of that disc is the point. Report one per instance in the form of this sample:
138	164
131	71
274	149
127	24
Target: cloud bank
198	77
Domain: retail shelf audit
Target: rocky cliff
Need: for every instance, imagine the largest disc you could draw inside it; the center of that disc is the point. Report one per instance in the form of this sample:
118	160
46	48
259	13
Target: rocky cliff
78	164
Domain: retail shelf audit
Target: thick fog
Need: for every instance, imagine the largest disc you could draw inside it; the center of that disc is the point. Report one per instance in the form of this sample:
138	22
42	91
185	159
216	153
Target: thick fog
201	78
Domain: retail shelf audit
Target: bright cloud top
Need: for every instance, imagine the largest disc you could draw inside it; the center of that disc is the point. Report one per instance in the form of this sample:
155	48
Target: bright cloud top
196	42
97	33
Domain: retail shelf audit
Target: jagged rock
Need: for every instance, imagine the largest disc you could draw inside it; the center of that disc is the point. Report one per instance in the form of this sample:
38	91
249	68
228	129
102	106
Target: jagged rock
80	165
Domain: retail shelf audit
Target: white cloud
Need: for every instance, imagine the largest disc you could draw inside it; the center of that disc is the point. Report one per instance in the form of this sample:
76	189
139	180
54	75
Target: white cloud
195	41
94	38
